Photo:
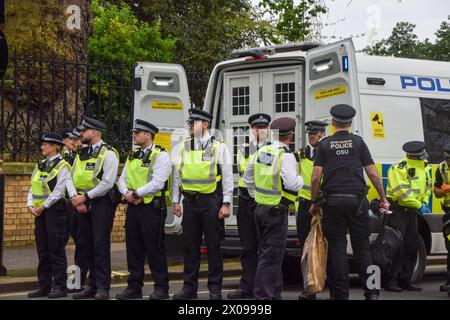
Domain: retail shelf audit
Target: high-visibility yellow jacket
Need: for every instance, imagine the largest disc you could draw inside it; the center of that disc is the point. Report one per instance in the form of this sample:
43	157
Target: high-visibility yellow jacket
445	173
409	183
267	174
43	180
86	173
198	169
140	171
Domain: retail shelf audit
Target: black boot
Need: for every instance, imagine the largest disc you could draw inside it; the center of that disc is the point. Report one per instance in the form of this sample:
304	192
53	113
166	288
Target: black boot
57	293
129	294
86	293
159	295
102	294
239	294
392	286
38	293
185	295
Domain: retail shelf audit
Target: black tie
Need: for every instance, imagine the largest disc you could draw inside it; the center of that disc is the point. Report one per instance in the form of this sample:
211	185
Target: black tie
313	153
91	150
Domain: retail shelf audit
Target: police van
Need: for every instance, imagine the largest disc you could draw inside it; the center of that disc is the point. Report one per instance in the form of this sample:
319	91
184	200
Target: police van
396	100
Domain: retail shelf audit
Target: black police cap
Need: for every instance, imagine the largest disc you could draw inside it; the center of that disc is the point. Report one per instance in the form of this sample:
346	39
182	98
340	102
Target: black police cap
53	138
315	126
259	119
342	113
414	147
197	114
284	125
141	125
90	123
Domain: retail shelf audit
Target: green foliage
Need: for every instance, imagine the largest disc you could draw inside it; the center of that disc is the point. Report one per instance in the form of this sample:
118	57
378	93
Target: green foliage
404	43
206	32
119	38
288	22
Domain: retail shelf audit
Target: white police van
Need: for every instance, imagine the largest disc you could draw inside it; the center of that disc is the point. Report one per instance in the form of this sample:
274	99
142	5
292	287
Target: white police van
396	99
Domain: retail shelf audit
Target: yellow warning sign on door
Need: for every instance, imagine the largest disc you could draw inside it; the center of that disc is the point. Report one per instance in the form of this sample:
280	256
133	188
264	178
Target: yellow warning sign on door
327	93
167	105
376	119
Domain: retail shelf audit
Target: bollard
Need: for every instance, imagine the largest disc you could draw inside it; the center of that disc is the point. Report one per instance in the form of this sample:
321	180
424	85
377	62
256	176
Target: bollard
2	215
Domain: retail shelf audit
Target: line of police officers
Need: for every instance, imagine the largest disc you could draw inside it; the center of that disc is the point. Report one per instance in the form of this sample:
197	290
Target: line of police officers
79	197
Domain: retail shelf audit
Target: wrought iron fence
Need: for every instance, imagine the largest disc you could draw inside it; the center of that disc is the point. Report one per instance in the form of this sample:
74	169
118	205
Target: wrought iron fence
39	95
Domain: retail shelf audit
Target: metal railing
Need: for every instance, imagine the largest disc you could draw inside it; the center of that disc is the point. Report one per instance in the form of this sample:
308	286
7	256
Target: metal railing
49	94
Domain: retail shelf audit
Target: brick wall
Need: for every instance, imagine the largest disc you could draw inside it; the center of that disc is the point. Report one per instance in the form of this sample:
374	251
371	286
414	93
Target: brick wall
19	223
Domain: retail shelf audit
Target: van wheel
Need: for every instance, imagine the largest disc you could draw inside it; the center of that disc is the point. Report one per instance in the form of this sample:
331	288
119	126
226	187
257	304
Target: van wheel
421	263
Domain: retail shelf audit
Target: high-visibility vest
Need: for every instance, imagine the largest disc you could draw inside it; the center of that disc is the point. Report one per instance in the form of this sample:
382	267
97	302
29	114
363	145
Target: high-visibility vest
140	171
198	169
445	172
267	175
306	170
244	156
43	180
409	183
86	173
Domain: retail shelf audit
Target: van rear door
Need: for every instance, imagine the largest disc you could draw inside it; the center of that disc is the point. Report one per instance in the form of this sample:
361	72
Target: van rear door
161	97
331	78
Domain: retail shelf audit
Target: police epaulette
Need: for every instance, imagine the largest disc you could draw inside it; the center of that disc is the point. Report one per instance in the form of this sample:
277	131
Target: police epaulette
402	164
161	148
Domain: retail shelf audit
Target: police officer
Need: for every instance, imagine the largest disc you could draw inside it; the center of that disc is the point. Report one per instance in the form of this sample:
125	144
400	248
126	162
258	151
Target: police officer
305	157
442	190
143	183
340	163
408	190
273	181
259	124
46	203
72	145
90	187
204	173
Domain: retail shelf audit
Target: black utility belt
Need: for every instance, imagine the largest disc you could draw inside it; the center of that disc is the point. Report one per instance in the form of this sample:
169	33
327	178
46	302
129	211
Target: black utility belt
342	195
156	203
192	195
243	193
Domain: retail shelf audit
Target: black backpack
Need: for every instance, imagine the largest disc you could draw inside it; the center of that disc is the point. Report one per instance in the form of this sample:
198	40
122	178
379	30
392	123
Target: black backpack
386	247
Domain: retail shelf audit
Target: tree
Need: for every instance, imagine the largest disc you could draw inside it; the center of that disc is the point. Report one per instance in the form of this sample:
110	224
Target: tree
206	31
120	38
403	42
288	22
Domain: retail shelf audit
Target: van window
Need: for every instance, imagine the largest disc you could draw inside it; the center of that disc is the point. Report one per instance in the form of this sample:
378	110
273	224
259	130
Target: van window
241	101
436	124
285	97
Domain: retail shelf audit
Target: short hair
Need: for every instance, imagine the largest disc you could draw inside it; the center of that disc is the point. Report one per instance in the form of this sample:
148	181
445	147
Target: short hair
342	125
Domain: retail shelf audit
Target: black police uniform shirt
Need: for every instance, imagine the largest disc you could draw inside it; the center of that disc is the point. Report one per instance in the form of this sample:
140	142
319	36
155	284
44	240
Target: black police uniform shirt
343	157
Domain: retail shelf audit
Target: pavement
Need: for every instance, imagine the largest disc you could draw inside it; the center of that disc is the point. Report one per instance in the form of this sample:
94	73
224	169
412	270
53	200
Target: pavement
21	264
430	290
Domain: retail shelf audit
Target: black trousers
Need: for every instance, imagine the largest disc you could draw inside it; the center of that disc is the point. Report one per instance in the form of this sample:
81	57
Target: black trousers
144	226
272	227
247	233
73	231
303	222
447	245
340	215
95	240
50	233
201	217
405	220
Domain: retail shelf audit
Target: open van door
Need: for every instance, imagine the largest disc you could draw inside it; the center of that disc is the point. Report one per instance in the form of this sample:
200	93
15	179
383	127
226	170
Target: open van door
331	78
161	97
